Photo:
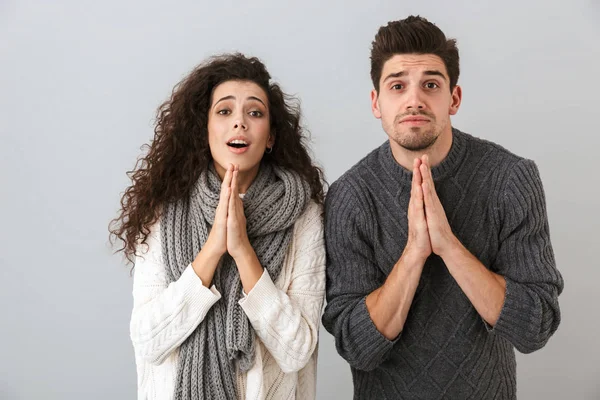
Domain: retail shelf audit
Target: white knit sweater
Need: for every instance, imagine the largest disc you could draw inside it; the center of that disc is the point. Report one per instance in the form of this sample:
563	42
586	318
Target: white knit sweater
285	316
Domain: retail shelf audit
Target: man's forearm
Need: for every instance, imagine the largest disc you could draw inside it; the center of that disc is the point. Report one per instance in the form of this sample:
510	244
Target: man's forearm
484	288
388	305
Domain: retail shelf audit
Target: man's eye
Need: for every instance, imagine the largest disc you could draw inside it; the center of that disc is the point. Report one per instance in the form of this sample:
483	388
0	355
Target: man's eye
431	85
397	86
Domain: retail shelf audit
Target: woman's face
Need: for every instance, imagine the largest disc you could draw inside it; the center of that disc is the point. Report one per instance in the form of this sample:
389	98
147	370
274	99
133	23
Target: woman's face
239	127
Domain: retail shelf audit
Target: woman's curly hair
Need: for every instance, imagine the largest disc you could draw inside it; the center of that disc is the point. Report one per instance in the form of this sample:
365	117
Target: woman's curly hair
180	151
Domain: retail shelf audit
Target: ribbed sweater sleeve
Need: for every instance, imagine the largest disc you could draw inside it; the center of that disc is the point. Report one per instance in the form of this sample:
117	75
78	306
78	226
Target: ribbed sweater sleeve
352	274
530	314
164	314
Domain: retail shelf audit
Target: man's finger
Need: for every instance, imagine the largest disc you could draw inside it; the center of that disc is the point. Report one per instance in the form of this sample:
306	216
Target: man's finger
419	203
428	172
428	199
417	176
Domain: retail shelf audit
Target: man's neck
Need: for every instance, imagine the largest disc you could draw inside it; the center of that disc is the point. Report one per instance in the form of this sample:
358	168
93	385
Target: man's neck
436	152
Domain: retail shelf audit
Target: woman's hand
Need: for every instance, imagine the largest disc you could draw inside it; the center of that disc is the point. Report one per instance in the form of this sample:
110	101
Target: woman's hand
216	242
229	234
238	244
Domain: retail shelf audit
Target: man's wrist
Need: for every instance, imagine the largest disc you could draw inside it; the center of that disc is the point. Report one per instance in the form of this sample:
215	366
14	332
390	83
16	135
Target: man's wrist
453	250
412	258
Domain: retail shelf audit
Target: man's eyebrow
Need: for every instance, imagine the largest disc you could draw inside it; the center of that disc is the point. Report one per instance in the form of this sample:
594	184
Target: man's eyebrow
395	75
431	72
435	72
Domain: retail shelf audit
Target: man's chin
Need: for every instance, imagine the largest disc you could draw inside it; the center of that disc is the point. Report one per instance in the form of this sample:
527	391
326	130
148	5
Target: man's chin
416	148
416	145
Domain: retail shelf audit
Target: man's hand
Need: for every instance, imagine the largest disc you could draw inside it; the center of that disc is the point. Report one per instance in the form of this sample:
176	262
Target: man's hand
418	244
440	234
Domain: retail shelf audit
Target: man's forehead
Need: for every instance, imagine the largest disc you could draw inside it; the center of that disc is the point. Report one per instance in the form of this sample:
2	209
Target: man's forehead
414	63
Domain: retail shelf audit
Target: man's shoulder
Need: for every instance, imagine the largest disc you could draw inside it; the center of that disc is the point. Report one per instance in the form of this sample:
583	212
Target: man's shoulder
505	168
356	179
495	155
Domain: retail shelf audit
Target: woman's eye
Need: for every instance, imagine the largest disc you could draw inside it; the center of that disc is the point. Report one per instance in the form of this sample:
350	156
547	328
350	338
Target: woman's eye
223	112
255	113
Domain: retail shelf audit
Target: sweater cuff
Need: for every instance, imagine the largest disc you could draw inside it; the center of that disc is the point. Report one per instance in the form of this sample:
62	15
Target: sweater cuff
364	320
261	298
517	314
195	292
374	346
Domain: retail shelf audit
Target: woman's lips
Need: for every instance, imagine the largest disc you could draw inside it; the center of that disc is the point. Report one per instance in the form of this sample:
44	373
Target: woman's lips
238	150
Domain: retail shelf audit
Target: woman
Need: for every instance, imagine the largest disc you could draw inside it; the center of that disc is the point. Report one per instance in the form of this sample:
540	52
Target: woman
223	223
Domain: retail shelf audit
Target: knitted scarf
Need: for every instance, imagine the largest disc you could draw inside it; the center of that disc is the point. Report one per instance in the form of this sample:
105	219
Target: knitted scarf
274	201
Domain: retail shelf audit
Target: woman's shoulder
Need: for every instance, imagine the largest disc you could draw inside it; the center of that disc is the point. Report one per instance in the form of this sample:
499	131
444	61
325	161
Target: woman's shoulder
311	219
152	244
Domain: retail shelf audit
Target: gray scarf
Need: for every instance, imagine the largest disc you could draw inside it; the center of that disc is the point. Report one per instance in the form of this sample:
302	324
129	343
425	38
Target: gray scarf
272	204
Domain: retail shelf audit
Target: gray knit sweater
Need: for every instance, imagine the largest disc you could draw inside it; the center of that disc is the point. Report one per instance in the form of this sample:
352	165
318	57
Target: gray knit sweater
495	204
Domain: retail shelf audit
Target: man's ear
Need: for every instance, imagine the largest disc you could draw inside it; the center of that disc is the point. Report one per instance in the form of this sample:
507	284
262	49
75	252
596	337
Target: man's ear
456	100
375	104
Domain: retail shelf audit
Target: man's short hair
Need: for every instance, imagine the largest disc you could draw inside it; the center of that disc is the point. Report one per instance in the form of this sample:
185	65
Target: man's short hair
414	35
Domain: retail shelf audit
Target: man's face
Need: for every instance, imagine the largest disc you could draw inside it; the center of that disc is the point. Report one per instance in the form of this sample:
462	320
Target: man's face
414	101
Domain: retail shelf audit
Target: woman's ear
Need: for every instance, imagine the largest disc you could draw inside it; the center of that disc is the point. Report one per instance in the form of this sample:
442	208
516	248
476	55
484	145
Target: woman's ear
271	141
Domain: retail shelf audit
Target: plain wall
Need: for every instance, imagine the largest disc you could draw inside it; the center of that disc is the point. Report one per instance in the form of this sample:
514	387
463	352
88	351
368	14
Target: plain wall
79	86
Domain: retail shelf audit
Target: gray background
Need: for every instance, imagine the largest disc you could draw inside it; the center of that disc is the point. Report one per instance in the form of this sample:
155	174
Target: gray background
79	83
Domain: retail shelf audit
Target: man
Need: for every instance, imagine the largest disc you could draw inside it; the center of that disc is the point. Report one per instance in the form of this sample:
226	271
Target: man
439	255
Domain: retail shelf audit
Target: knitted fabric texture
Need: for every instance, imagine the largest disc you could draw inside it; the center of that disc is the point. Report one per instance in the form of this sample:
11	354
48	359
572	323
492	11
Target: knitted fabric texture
274	201
495	205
